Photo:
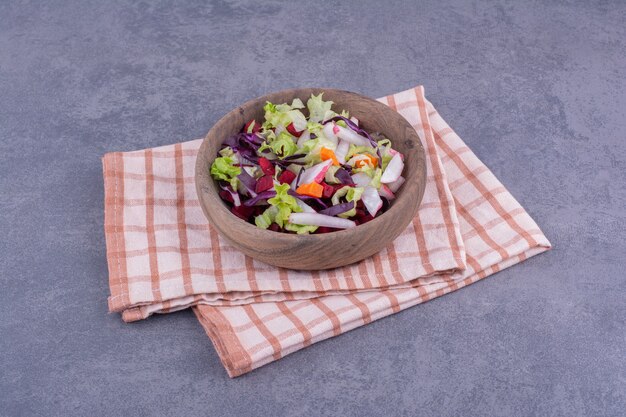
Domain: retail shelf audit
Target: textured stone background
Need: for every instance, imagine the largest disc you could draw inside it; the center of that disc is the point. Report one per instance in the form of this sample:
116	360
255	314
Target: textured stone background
537	90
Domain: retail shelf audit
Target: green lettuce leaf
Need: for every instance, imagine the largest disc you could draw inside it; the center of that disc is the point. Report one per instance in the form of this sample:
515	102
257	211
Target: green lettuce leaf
265	219
284	204
329	177
228	151
300	228
355	149
283	115
297	104
224	170
314	127
281	145
318	108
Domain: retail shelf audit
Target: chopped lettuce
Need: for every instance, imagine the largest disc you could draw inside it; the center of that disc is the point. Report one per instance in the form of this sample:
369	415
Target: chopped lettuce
351	194
318	108
384	142
312	150
282	145
314	127
300	228
329	177
386	159
265	219
374	173
378	173
297	104
284	203
298	119
355	149
228	151
281	206
224	170
283	115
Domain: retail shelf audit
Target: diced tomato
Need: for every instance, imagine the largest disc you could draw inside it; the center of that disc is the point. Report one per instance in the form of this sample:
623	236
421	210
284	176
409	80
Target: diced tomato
266	166
286	177
243	212
292	129
256	127
226	196
329	190
264	183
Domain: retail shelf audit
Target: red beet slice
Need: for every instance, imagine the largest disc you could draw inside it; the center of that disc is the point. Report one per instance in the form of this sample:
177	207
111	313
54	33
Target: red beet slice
329	190
226	196
243	212
256	127
286	177
266	166
292	129
264	183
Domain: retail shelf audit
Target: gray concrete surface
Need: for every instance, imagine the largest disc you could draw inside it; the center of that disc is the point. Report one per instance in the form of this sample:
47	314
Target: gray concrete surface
537	90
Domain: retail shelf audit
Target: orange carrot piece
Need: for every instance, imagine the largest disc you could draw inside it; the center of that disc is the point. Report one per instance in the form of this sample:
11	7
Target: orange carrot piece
372	160
311	189
326	153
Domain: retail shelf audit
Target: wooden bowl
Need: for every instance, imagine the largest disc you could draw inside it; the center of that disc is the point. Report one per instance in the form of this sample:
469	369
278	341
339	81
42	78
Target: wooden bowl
328	250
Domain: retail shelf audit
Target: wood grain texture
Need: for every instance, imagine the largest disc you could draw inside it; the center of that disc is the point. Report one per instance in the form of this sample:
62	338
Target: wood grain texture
329	250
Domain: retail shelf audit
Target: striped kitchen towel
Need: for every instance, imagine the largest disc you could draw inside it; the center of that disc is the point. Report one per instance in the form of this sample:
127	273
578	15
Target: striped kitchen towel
163	255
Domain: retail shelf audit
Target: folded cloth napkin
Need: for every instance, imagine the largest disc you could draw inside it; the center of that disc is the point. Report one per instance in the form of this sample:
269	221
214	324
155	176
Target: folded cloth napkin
164	256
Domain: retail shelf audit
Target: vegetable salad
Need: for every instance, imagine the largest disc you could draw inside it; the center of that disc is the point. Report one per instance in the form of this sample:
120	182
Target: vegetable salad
307	174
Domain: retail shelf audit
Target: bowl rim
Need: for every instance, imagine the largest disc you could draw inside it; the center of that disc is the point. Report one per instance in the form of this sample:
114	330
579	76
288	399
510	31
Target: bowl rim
293	237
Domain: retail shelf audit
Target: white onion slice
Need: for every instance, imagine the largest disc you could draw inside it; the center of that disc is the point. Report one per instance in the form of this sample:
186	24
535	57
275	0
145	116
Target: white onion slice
316	219
384	191
306	135
371	200
393	170
315	173
361	179
342	150
329	133
395	186
305	207
350	136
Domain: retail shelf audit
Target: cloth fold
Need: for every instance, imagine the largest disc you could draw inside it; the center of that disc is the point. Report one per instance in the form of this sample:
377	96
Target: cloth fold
163	255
